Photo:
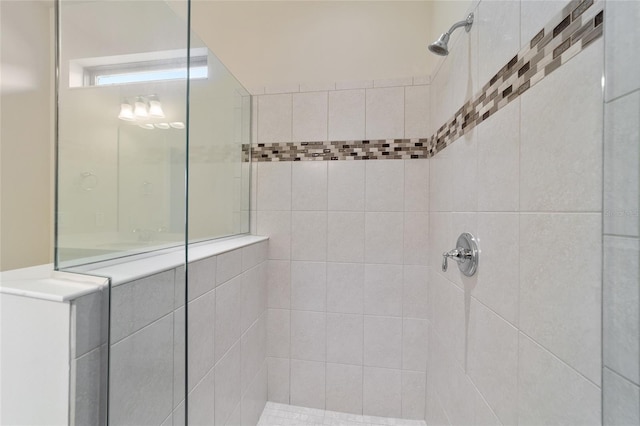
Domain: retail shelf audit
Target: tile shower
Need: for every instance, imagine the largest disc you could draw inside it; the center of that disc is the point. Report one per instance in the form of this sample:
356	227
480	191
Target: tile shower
361	319
345	315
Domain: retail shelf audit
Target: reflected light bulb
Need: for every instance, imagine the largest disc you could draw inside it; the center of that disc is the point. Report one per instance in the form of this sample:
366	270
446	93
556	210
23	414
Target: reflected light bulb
155	109
146	126
163	126
126	112
177	125
140	110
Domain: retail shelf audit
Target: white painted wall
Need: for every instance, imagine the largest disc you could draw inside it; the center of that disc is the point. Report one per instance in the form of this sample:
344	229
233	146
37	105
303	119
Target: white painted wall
271	43
26	134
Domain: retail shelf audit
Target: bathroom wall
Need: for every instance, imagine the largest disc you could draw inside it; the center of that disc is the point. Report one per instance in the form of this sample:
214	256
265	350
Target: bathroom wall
347	251
520	342
621	295
27	141
279	42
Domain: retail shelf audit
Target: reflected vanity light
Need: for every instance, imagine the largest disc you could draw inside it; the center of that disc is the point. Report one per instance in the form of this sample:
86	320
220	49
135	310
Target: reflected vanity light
155	108
141	110
126	112
146	126
144	108
177	125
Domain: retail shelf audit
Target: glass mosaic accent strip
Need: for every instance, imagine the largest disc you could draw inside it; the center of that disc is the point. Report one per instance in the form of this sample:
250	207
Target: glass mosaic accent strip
572	30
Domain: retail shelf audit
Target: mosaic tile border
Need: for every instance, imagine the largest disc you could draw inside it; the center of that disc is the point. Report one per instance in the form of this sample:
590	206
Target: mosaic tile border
573	29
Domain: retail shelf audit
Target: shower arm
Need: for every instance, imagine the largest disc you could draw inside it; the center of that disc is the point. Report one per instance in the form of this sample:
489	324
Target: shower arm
466	24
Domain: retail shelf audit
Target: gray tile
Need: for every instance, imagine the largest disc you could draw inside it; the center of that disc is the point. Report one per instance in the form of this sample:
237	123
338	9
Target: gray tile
254	351
141	376
255	398
89	322
382	392
201	277
228	384
229	265
228	315
89	389
621	306
139	303
179	364
201	338
201	406
278	380
621	402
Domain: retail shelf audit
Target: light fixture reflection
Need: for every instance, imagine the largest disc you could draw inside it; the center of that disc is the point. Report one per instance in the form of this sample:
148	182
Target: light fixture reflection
140	110
162	126
177	125
155	109
146	126
126	112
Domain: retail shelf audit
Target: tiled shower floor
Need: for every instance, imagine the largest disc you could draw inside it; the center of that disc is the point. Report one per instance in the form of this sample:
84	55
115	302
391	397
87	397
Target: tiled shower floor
290	415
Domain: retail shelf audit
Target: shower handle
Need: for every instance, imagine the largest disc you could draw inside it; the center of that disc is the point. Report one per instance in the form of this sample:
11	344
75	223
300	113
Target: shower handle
459	254
466	254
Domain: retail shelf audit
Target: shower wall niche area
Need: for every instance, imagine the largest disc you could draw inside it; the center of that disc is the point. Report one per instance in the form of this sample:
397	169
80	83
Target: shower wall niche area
126	144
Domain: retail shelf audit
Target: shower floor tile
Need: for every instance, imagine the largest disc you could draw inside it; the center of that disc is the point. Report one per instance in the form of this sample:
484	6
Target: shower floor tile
289	415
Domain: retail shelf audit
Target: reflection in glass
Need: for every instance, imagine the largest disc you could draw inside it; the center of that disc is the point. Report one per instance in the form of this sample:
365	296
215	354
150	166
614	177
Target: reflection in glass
123	119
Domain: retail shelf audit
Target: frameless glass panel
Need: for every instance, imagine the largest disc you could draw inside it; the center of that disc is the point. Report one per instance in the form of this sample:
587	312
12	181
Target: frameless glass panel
219	137
122	142
121	191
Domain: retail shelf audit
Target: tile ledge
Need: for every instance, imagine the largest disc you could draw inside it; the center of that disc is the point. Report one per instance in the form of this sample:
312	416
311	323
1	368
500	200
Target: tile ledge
121	271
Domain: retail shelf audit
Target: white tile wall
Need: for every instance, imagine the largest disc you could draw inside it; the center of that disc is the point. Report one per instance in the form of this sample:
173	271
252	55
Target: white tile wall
347	115
310	116
560	164
309	185
622	37
384	113
348	284
396	108
384	186
417	107
346	185
308	383
518	343
345	288
382	394
275	118
344	388
540	375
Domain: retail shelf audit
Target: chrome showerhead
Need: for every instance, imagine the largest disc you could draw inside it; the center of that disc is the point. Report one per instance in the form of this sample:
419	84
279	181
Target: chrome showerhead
440	46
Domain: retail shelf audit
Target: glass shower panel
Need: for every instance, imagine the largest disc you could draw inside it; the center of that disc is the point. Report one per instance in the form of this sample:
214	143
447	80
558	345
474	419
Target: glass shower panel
122	144
219	138
121	129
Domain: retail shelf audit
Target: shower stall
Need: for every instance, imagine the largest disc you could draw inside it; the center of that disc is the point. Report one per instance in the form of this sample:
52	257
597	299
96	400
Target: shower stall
297	248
